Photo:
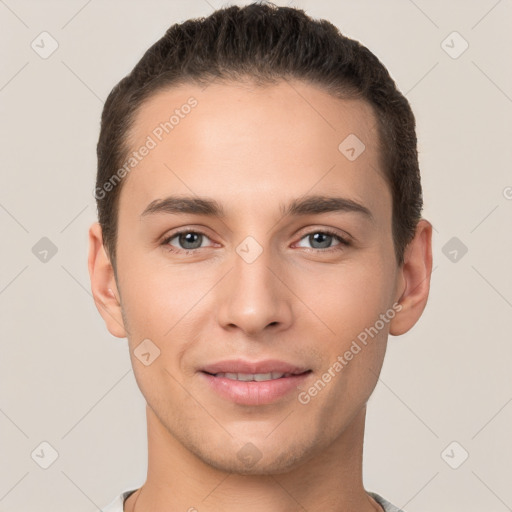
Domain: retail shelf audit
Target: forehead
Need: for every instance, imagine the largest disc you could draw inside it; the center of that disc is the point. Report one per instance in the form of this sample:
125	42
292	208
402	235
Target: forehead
243	142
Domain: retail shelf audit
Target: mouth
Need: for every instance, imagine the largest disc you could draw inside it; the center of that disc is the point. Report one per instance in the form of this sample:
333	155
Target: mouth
255	377
248	383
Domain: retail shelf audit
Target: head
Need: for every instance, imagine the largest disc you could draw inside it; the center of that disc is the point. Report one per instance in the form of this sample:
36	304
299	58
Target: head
264	44
257	120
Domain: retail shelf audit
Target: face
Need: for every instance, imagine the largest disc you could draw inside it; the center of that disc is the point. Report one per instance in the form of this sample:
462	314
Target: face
255	273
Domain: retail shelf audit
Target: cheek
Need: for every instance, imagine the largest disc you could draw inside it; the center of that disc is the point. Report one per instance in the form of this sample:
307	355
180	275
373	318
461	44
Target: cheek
147	310
156	297
351	336
350	301
154	307
346	299
165	305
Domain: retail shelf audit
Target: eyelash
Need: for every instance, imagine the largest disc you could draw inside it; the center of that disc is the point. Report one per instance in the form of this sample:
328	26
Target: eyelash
343	242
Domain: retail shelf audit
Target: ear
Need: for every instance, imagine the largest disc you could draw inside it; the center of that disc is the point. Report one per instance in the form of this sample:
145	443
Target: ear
415	276
103	284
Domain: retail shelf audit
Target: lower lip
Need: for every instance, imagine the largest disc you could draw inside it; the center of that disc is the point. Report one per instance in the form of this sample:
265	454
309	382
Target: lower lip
253	392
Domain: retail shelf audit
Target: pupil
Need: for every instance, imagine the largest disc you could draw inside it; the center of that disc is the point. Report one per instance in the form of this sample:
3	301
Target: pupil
190	238
323	239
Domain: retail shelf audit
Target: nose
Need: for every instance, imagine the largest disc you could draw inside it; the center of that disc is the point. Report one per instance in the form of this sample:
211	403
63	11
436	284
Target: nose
252	298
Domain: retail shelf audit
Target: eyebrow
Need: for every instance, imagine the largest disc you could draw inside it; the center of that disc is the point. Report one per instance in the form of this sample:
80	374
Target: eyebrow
310	205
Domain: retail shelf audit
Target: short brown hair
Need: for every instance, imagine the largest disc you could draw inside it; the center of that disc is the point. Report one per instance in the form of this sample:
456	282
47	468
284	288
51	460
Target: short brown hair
265	43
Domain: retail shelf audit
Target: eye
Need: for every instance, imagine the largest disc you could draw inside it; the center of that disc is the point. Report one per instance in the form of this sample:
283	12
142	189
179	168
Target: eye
322	239
186	240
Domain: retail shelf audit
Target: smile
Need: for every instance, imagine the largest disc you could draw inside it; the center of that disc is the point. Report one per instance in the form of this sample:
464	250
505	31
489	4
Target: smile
255	388
248	377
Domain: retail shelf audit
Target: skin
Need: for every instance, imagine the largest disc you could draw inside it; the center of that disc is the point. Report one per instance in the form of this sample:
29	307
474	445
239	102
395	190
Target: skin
252	148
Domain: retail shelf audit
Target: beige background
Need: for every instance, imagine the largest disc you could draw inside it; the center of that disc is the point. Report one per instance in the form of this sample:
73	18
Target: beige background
65	380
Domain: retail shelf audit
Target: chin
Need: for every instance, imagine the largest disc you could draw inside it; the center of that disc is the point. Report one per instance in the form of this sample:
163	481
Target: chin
250	460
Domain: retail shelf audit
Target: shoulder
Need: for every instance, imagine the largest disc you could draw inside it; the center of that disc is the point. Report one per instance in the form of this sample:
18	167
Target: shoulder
385	504
117	505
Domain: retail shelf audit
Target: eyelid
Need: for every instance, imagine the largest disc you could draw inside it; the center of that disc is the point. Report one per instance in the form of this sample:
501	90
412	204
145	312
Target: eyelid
174	234
345	240
328	230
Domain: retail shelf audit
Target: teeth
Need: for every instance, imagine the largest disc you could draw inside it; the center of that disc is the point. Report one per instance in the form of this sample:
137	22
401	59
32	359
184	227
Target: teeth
247	377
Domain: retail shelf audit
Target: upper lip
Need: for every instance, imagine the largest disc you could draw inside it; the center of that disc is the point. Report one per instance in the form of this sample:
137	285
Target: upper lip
252	367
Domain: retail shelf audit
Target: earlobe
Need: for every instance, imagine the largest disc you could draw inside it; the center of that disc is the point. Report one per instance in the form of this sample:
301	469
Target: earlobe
415	275
103	284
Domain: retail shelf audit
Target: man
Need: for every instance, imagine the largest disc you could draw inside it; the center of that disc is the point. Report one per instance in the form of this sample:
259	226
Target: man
259	237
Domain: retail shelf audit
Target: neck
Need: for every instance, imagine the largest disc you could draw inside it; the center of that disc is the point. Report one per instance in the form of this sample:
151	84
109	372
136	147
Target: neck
178	480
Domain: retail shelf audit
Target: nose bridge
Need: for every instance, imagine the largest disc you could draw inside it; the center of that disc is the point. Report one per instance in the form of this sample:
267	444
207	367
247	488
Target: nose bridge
253	297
